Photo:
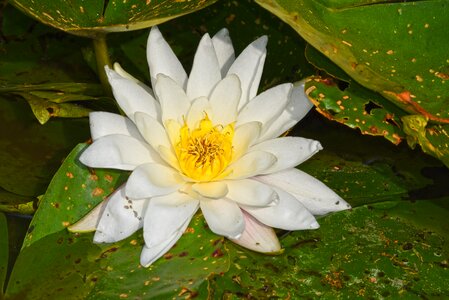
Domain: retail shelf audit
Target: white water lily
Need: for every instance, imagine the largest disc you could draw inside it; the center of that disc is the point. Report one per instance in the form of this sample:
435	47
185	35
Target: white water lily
205	141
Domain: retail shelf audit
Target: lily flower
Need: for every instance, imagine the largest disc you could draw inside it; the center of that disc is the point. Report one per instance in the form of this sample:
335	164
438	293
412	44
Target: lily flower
204	141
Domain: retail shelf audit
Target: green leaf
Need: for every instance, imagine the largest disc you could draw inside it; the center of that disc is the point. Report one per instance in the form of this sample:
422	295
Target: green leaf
401	54
93	17
4	249
434	140
74	267
395	249
356	107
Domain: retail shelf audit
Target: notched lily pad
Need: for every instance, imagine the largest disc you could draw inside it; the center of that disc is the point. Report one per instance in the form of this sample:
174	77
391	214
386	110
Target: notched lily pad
355	107
89	18
433	139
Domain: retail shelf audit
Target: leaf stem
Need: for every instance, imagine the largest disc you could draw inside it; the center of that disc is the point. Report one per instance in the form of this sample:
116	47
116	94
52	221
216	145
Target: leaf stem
103	59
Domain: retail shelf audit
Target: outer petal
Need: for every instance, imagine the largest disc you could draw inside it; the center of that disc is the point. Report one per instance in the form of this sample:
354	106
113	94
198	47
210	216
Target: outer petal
224	217
150	180
251	164
251	192
104	123
165	215
162	59
153	131
174	101
224	50
297	107
224	100
266	107
90	221
205	70
118	152
248	67
150	255
258	237
288	214
120	219
131	96
289	151
118	68
315	195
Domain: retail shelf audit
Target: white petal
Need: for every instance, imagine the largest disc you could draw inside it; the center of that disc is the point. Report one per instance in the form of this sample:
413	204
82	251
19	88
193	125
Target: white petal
258	237
315	195
266	107
215	189
224	217
288	214
174	101
296	109
251	192
200	107
165	215
132	97
224	50
150	255
162	60
251	164
224	100
244	136
205	72
118	68
90	221
150	180
289	151
104	123
153	131
118	152
169	157
248	67
120	219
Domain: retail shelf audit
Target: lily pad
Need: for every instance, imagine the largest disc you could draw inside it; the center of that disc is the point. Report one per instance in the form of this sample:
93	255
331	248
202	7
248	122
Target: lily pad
4	249
356	107
98	17
383	250
402	54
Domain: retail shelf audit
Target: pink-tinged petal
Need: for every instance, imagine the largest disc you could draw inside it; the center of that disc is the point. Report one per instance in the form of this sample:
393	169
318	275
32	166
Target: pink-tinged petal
251	164
312	193
162	60
288	214
296	109
248	67
152	130
224	50
131	96
90	221
165	215
105	123
289	151
223	217
224	100
150	254
150	180
214	189
118	152
205	72
251	192
120	219
266	107
258	237
173	99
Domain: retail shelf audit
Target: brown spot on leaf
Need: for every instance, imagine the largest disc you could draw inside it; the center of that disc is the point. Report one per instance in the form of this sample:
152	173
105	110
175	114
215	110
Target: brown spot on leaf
97	192
217	253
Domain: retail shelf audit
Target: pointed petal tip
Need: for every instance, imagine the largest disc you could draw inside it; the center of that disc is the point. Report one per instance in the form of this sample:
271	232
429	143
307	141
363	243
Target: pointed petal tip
314	225
261	42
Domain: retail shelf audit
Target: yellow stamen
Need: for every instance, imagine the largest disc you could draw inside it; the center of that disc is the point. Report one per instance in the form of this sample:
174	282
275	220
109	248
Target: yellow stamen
204	152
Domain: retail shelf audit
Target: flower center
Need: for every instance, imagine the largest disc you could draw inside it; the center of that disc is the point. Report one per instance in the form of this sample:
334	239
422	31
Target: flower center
204	152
